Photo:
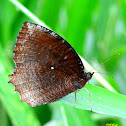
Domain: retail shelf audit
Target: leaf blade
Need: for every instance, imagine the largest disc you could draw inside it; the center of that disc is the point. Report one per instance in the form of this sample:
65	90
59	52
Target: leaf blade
103	101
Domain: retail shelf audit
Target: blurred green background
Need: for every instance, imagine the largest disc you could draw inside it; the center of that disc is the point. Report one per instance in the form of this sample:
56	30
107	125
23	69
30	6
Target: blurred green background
95	28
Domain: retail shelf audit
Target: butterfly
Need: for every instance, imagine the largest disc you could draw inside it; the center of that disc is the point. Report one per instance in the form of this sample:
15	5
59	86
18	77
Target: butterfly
47	66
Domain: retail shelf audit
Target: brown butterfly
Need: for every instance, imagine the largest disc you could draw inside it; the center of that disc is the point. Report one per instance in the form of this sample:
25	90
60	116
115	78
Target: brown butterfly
47	67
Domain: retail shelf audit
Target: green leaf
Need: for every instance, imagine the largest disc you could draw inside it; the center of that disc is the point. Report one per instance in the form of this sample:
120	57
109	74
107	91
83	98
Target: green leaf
103	101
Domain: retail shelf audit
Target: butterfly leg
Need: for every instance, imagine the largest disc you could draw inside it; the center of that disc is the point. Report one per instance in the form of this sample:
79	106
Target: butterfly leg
89	97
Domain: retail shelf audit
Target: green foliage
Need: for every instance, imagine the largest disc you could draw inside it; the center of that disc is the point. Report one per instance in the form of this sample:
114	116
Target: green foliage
96	30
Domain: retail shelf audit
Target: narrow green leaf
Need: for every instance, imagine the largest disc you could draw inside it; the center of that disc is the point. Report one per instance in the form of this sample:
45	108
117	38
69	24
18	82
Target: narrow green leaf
103	101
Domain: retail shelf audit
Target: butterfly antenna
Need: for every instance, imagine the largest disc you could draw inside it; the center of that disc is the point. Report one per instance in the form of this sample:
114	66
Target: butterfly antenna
105	62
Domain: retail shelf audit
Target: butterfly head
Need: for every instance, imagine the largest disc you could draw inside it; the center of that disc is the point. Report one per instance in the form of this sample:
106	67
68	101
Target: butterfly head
88	75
